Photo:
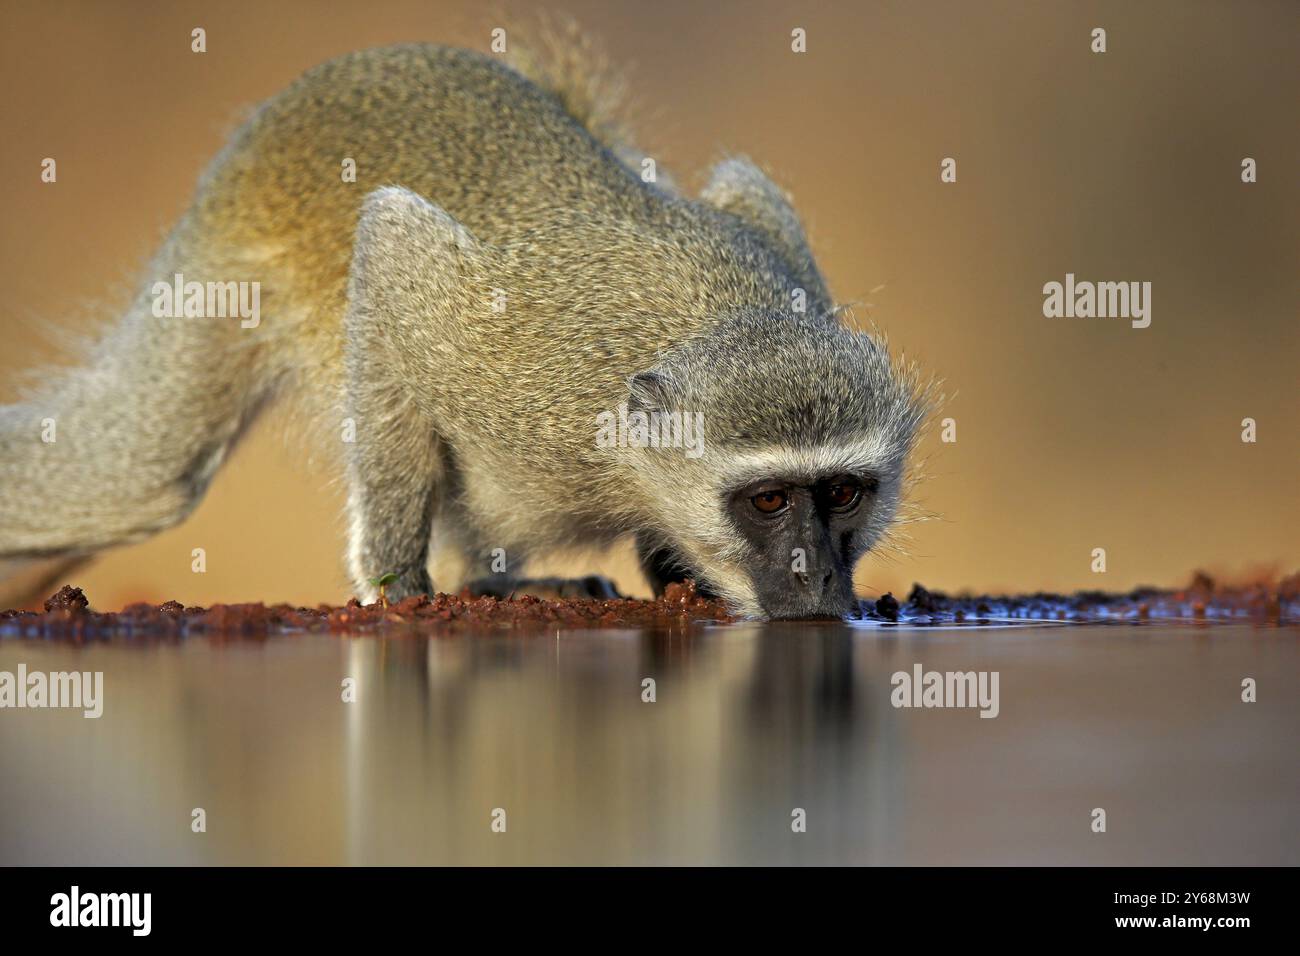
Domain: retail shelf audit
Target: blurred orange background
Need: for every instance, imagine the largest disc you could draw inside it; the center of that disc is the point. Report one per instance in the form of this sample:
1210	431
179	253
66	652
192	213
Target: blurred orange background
1072	434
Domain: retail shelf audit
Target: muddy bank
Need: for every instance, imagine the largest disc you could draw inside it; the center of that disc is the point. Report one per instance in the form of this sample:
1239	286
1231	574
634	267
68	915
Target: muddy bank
68	613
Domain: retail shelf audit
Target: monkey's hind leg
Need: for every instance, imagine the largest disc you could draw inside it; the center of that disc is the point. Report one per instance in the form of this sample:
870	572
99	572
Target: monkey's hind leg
662	567
550	588
404	291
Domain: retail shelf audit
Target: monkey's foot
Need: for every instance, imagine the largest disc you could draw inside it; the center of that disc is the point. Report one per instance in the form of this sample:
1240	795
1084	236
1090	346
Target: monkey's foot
407	584
500	586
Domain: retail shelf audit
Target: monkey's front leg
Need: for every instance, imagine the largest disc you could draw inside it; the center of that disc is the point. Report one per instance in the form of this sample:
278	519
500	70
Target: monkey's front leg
393	476
406	292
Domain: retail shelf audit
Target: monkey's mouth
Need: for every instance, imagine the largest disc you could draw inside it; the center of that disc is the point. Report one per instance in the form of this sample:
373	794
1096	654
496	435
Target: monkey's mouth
784	600
779	607
812	617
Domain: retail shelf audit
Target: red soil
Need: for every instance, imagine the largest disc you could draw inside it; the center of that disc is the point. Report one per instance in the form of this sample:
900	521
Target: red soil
68	614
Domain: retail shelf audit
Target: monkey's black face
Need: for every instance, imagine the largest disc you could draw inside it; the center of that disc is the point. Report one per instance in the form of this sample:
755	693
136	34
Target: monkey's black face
807	535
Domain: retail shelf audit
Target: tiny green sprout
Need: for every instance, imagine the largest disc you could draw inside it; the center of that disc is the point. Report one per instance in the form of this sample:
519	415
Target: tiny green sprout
382	583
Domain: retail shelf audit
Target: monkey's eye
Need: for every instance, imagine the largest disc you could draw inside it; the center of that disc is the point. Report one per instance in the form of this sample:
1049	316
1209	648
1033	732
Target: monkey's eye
843	494
770	502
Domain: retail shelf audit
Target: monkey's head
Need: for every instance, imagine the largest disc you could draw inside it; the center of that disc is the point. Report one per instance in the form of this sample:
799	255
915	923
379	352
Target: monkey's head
806	426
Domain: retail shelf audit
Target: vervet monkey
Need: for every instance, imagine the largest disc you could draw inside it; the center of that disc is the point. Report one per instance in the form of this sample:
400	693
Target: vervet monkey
496	275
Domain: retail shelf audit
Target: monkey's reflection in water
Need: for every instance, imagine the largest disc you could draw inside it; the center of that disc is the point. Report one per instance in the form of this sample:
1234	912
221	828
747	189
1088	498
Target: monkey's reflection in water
748	743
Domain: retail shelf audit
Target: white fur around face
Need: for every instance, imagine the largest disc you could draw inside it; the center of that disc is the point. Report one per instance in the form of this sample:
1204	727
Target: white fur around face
869	453
697	502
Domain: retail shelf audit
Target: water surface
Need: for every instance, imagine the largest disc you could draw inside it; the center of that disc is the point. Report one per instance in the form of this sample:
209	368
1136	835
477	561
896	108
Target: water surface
749	724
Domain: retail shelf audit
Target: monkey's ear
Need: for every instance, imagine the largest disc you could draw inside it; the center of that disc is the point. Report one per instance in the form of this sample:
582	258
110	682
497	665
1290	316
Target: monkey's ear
649	391
409	254
739	187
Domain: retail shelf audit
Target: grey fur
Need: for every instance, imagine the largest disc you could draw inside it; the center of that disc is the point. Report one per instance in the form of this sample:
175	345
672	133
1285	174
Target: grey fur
474	425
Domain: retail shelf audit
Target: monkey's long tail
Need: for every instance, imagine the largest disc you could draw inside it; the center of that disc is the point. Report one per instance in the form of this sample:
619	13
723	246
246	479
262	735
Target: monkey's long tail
124	445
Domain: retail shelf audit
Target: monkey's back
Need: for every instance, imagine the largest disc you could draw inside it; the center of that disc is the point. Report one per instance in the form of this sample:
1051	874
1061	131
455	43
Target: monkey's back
494	150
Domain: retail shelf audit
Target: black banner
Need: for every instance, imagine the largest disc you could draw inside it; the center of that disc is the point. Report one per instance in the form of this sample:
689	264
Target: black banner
333	905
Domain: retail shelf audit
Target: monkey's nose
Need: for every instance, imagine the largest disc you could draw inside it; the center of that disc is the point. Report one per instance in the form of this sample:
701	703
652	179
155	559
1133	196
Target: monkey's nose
802	578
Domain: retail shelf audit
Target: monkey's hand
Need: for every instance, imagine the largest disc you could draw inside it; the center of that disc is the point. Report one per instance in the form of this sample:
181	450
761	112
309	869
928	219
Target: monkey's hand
412	582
